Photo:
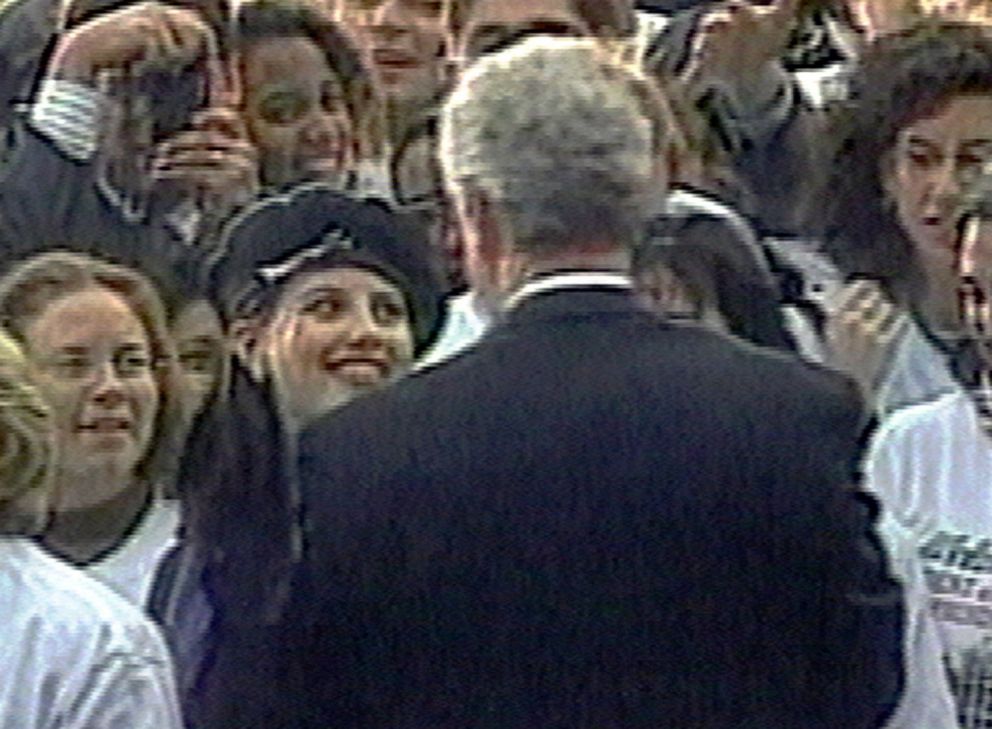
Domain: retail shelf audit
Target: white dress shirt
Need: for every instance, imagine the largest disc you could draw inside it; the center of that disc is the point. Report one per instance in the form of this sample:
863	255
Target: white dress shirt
75	655
465	321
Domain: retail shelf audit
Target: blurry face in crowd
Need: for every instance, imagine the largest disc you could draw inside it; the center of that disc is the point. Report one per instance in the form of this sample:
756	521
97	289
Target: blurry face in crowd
662	291
924	172
420	191
198	335
493	24
334	335
296	112
94	364
403	42
879	17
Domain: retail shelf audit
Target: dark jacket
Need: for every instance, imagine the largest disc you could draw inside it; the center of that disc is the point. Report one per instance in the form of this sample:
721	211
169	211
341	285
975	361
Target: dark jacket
592	521
48	200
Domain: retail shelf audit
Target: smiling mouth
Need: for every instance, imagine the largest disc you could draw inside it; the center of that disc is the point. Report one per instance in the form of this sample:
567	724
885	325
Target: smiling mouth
370	362
106	426
393	60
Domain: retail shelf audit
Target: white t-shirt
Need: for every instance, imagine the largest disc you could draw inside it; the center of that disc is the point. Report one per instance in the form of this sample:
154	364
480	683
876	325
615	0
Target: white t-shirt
75	655
130	569
931	466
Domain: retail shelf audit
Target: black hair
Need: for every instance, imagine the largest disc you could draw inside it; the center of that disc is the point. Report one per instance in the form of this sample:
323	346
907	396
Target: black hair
267	19
720	268
901	78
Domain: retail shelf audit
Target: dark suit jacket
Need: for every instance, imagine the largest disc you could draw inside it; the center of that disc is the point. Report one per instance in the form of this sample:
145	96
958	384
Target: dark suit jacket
594	521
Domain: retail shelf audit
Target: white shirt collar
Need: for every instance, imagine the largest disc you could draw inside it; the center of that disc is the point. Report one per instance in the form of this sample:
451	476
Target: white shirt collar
569	280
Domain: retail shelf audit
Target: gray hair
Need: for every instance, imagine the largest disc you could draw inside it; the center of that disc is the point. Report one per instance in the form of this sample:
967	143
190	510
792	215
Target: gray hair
562	136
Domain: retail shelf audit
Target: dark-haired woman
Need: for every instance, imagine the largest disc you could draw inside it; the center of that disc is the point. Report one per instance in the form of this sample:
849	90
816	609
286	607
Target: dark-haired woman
337	309
917	138
917	125
706	269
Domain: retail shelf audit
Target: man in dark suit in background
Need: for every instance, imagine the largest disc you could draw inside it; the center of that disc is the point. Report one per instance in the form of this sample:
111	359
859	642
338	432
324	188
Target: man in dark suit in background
590	520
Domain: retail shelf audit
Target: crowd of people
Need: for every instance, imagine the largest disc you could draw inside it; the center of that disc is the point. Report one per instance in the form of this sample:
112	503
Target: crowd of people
470	364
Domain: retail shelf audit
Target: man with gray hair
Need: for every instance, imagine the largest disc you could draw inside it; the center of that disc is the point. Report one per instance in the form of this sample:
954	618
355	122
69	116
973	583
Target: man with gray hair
591	520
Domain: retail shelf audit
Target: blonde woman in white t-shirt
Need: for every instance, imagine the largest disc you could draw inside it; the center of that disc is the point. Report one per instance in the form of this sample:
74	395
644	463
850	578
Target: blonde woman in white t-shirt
95	335
76	656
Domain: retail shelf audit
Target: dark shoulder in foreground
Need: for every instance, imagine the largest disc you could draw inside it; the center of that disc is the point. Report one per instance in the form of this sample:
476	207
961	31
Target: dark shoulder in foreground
625	361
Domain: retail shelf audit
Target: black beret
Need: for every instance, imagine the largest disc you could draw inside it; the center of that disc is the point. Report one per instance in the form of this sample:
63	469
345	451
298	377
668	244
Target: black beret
315	226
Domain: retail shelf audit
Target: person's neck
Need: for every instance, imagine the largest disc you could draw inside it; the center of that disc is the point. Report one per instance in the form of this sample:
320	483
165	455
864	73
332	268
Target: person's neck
937	303
84	535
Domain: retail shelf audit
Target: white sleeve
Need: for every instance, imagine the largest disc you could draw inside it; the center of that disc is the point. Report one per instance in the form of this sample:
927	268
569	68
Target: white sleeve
69	114
129	686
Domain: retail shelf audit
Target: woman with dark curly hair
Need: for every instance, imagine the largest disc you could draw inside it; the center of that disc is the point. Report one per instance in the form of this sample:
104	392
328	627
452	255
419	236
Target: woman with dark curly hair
918	123
919	134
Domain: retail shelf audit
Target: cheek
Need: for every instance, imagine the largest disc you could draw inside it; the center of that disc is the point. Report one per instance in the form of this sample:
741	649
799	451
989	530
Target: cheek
65	400
302	343
271	139
401	344
903	187
144	397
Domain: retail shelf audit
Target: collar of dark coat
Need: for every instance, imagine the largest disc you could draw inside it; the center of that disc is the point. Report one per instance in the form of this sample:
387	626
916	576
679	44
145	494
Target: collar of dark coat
574	302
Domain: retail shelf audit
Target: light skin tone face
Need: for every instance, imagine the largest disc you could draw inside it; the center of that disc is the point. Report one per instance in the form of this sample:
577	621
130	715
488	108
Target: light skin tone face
923	176
336	334
93	362
493	24
880	17
403	41
421	192
198	335
296	112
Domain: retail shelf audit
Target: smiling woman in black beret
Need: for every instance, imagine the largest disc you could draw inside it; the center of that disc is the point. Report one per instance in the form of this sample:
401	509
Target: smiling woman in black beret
324	298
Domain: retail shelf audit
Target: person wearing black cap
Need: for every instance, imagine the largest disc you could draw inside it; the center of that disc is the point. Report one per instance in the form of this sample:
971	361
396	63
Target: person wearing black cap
324	298
340	307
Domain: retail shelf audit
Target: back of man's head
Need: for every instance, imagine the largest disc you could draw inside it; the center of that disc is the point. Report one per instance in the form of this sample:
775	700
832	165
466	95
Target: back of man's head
564	141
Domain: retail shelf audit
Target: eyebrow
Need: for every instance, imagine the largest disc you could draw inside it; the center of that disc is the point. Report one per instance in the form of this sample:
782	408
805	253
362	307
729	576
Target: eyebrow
916	140
320	291
971	143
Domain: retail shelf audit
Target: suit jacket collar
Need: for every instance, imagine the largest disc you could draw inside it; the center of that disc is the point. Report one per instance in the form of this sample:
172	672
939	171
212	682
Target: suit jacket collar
568	279
574	301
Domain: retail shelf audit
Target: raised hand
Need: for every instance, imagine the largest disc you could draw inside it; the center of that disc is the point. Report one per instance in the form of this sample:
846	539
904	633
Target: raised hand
737	45
132	40
862	328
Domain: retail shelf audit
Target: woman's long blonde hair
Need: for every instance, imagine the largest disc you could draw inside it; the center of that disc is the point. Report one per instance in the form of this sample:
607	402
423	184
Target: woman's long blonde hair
27	443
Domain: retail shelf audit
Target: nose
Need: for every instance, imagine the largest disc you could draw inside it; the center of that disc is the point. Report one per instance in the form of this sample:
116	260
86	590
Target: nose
320	130
367	334
945	182
107	391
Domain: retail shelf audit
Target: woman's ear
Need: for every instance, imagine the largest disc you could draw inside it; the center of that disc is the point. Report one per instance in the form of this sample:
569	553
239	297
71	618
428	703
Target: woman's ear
246	337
